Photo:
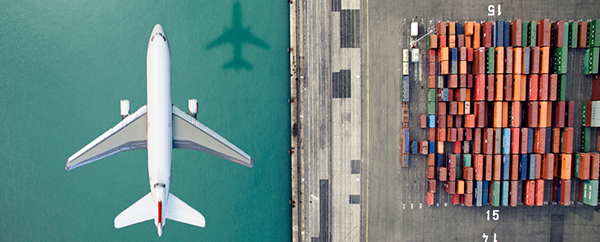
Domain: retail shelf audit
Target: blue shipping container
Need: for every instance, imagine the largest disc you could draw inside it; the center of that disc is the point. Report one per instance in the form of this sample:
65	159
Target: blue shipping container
413	147
439	160
431	147
506	141
526	60
506	34
453	54
459	28
558	186
500	33
445	94
406	141
504	193
519	192
531	168
529	141
405	90
431	123
494	34
485	195
505	174
405	161
548	139
523	164
478	193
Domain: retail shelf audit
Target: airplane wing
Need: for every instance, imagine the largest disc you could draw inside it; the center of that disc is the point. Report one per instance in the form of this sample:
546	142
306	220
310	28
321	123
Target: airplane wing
129	134
226	37
248	37
190	134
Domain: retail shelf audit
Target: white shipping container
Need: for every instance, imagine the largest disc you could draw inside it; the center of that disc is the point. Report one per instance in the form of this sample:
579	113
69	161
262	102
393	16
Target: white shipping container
415	55
595	112
405	68
405	55
414	29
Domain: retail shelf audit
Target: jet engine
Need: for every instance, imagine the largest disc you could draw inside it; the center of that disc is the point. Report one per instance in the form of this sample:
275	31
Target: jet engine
124	108
193	107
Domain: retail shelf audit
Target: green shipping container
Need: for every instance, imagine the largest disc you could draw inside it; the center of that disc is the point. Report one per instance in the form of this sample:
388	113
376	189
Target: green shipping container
562	88
532	34
573	34
432	108
490	64
576	164
495	193
593	60
593	37
559	60
586	62
431	96
590	192
525	35
586	139
467	160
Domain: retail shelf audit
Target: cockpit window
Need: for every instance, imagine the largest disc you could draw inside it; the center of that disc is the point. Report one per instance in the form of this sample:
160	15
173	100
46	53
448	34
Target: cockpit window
161	35
157	185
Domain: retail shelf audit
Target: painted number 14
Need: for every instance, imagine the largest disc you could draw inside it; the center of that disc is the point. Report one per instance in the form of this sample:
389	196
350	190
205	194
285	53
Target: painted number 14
485	236
495	214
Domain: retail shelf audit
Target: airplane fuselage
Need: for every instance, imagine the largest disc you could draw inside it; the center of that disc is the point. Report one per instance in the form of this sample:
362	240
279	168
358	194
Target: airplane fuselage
160	121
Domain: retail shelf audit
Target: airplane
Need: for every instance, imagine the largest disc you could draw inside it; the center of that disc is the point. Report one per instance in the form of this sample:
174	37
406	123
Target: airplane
158	127
237	36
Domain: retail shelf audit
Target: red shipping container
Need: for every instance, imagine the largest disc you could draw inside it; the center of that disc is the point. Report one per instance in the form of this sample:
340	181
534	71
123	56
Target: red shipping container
515	142
513	195
514	167
480	88
584	166
559	114
595	166
431	172
431	78
543	32
479	62
441	122
456	198
453	108
565	193
567	139
529	193
539	192
533	90
442	41
508	87
516	28
431	187
457	147
497	170
489	163
487	34
460	133
451	160
430	198
441	134
477	35
431	134
469	185
469	54
570	113
470	121
452	82
524	139
442	173
468	173
478	166
468	134
460	41
450	187
488	141
548	166
432	71
582	31
534	68
515	114
508	59
539	140
481	114
441	27
423	121
431	54
491	82
596	87
558	35
538	166
543	87
555	140
431	160
462	81
477	137
553	88
467	200
532	114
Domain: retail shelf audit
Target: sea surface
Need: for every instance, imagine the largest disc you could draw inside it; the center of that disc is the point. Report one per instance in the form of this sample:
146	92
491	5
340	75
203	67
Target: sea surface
64	67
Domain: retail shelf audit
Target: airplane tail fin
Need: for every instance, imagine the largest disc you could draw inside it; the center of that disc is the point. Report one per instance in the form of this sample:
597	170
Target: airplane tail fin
181	212
140	211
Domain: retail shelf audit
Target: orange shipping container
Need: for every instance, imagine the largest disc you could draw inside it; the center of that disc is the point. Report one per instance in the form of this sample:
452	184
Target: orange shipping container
460	187
555	140
476	35
443	54
431	81
468	41
433	41
452	41
463	67
523	87
548	166
451	27
515	116
545	61
444	68
516	87
499	60
430	198
565	167
567	141
517	61
497	115
595	166
539	192
431	172
499	87
468	28
431	160
497	170
584	166
504	114
543	112
440	146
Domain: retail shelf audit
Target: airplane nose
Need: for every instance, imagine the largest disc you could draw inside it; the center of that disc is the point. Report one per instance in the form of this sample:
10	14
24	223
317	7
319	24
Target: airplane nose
158	29
158	32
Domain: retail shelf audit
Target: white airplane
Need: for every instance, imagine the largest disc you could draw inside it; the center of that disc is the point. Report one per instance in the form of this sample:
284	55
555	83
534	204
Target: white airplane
158	127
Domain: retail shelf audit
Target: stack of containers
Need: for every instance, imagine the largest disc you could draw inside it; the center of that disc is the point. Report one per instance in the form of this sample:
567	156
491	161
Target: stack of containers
404	142
592	45
586	170
499	100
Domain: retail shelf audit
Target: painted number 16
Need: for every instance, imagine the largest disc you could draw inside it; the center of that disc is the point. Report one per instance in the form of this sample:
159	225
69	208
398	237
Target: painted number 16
495	214
492	10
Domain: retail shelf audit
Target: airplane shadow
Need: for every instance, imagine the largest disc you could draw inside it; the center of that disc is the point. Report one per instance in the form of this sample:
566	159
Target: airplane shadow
237	35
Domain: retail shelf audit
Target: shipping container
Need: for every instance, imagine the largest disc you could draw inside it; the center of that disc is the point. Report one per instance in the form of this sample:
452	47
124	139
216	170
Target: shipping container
539	192
495	195
543	32
488	141
543	112
406	141
567	140
478	166
594	166
487	34
431	159
497	141
499	59
468	173
543	87
529	193
499	87
489	162
467	200
555	140
431	146
442	173
413	147
565	192
486	193
490	60
497	169
565	166
532	37
526	61
506	140
582	166
430	198
590	194
504	193
558	33
515	114
582	34
513	195
516	32
548	166
460	187
535	56
405	160
431	186
573	34
514	167
441	27
593	37
525	36
508	54
560	57
431	172
469	186
477	138
545	60
505	170
500	33
531	167
532	114
476	35
533	90
450	187
478	193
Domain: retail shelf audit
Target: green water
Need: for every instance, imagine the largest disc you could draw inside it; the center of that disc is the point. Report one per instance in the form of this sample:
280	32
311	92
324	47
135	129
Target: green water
64	66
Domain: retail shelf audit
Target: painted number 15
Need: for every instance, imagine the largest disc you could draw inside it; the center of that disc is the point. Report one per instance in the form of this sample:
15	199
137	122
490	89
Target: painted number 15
492	10
495	214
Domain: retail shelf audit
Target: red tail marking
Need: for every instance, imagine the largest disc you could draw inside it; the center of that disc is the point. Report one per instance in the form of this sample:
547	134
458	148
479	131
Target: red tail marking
159	212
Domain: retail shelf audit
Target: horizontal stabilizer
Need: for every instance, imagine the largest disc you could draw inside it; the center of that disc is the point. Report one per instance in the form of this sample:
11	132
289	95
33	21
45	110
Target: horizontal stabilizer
140	211
181	212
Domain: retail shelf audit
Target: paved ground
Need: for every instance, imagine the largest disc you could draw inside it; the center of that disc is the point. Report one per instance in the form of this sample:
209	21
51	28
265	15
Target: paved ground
393	197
